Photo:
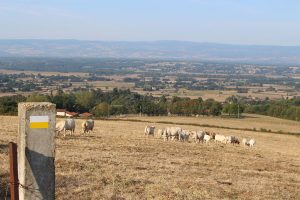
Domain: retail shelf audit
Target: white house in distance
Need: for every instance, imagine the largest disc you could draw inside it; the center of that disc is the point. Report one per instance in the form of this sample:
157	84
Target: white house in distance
65	113
61	112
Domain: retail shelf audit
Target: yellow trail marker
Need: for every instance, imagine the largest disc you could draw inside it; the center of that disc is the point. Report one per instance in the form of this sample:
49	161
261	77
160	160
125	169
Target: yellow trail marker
39	122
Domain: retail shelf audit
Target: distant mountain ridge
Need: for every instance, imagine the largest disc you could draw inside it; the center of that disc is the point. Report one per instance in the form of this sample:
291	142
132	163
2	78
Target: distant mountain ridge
154	49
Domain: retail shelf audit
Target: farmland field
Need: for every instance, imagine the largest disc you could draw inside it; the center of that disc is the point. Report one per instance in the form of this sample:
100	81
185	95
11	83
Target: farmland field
106	84
250	121
118	162
28	72
145	80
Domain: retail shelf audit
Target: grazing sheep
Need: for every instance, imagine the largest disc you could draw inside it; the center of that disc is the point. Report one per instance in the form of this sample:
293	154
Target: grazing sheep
232	140
160	133
184	136
237	141
198	136
207	138
220	138
212	134
251	142
173	132
87	126
229	139
149	130
165	135
245	141
65	125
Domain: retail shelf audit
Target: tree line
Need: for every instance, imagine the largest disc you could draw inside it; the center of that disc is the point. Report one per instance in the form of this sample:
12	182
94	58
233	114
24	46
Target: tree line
117	102
285	108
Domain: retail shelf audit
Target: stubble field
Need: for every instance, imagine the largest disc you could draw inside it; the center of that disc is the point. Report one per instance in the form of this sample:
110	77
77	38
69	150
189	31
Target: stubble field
118	162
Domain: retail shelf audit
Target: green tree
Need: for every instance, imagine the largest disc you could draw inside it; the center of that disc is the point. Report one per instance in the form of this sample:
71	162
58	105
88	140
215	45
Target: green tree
64	101
215	108
35	97
101	110
85	100
233	109
9	104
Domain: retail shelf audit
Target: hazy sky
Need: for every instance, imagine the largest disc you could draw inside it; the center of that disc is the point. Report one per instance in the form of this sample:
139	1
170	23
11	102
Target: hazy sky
226	21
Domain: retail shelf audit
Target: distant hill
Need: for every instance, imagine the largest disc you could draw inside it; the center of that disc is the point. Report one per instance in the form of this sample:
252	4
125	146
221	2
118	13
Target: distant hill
155	49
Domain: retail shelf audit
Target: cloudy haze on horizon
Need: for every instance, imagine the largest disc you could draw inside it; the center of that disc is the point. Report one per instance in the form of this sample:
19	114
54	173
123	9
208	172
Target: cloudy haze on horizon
267	22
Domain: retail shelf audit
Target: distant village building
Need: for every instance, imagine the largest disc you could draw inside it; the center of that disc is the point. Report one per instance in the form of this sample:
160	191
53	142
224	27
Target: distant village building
61	112
71	114
65	113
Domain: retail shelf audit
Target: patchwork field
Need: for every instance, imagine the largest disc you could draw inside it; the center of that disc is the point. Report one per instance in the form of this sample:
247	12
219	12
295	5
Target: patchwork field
217	95
28	72
144	78
118	162
106	85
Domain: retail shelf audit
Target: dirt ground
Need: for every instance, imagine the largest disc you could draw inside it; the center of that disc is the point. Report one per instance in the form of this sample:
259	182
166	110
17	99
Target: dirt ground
118	162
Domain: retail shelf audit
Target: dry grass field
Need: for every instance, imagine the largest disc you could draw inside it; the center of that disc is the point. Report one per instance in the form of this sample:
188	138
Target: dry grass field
118	162
224	94
250	121
219	95
193	94
105	85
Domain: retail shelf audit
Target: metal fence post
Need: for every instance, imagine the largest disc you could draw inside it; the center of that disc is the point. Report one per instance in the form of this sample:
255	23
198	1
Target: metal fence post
13	169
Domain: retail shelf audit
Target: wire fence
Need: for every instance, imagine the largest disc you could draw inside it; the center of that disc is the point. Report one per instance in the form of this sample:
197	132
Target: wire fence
9	181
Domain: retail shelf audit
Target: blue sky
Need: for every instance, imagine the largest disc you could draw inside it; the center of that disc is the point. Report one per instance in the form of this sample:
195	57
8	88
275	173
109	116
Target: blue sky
267	22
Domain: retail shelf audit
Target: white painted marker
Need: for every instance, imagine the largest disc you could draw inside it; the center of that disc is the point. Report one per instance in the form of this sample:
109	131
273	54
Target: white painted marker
39	122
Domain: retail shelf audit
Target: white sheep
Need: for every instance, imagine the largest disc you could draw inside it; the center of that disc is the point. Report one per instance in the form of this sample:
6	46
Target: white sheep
251	142
206	138
232	140
220	138
198	136
245	141
184	136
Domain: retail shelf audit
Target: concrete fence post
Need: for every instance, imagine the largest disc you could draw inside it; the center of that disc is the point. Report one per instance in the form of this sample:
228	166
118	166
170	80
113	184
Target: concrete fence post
36	151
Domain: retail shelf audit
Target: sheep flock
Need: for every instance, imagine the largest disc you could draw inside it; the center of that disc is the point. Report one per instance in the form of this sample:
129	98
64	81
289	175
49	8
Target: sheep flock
200	136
